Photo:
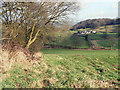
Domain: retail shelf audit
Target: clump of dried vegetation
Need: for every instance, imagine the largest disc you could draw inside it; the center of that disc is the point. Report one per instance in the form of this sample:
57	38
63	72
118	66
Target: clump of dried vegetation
15	55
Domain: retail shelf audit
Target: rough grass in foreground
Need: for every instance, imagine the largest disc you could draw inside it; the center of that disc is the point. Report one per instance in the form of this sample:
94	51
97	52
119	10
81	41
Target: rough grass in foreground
67	68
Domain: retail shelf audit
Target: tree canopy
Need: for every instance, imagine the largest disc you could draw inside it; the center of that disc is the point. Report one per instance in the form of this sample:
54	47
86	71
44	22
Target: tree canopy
28	22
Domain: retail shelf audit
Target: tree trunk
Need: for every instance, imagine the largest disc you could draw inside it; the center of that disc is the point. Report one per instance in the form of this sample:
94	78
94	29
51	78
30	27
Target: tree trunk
27	46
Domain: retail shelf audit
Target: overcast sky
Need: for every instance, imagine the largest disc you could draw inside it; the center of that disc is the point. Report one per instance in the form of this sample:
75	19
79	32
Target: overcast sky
96	9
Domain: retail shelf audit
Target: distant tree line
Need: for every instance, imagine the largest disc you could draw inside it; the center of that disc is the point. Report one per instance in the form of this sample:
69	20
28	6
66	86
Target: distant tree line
95	23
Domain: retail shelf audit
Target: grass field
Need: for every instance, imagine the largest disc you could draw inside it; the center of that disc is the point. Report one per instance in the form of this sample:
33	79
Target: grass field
67	68
112	33
112	40
109	28
70	43
99	35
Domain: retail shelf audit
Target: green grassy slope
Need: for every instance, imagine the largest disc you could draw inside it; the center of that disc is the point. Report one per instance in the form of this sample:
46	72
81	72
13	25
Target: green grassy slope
112	40
111	32
109	28
68	68
69	43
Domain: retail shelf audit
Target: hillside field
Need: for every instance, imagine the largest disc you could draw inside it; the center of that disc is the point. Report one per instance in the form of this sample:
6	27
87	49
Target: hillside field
110	43
101	29
67	68
100	39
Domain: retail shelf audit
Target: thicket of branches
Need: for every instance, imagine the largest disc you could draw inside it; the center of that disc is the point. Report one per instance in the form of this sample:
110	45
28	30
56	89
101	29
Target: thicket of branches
31	24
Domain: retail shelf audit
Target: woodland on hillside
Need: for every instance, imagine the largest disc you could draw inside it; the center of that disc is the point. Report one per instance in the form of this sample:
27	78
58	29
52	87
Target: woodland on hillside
95	23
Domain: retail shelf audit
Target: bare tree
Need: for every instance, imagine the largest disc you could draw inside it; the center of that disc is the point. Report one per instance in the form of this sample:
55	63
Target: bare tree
31	20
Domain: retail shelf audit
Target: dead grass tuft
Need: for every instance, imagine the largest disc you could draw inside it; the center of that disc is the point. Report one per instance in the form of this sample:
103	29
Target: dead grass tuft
18	56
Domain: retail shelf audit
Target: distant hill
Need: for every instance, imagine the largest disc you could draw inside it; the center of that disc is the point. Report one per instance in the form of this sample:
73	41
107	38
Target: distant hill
95	23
